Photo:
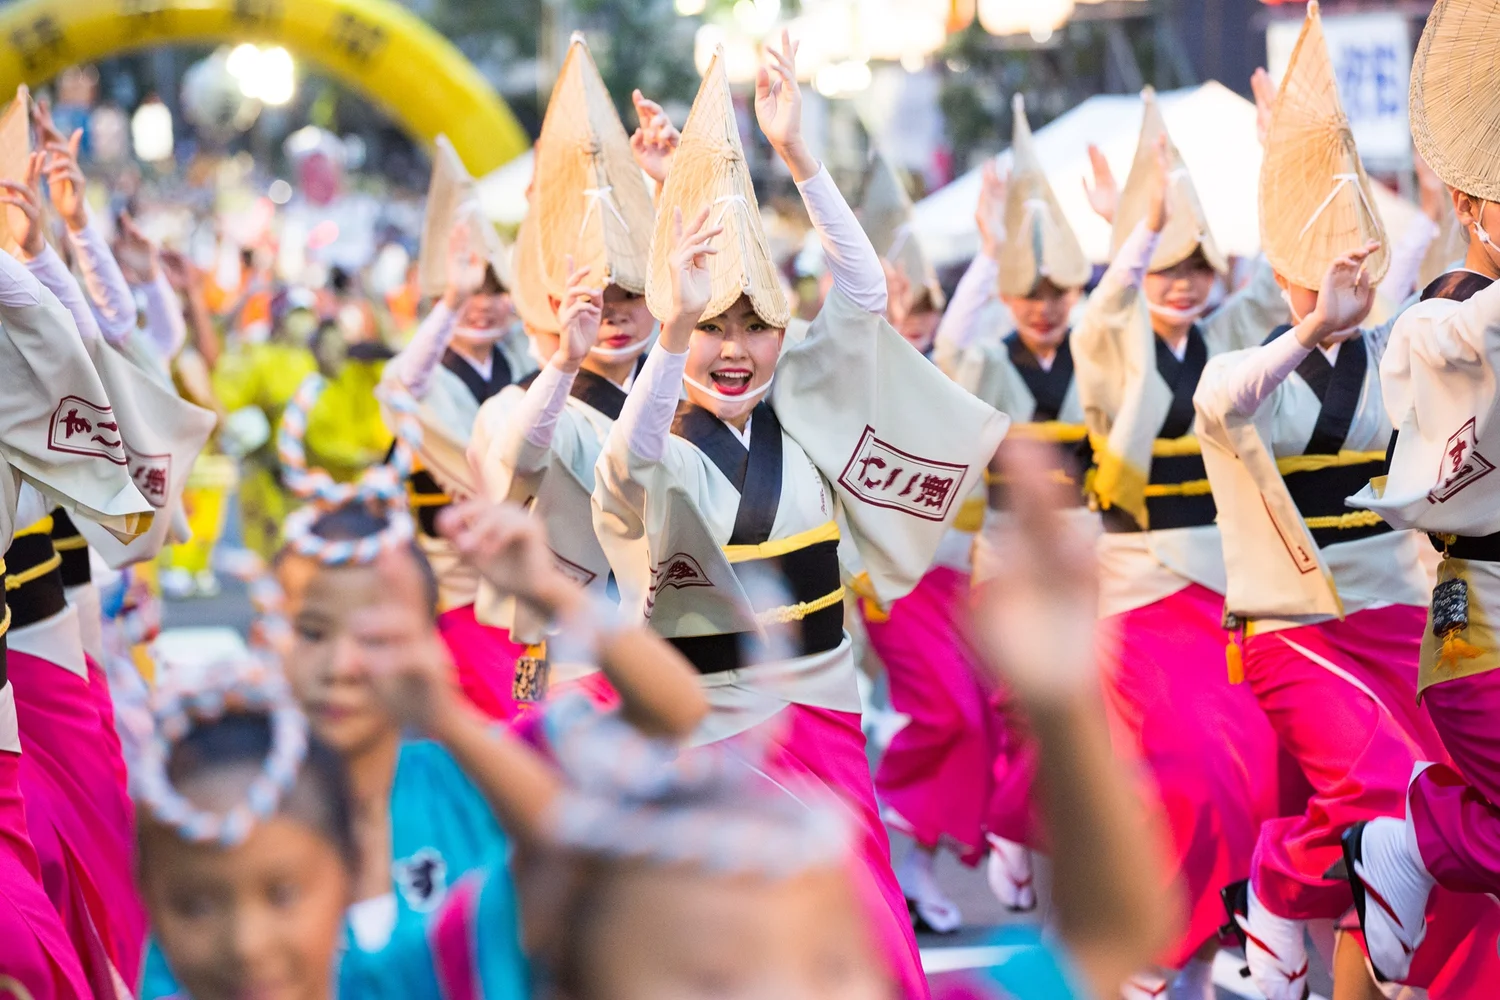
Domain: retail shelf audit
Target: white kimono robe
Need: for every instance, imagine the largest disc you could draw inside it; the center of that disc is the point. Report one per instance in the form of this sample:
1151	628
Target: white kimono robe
1280	410
1126	403
449	391
1439	379
58	429
536	443
1001	371
868	429
162	432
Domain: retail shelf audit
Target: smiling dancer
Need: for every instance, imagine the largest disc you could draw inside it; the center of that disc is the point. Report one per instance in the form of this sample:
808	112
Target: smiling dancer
698	504
588	240
1139	351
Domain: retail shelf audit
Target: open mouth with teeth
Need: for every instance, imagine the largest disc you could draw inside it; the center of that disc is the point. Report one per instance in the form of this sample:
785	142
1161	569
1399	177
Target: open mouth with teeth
731	381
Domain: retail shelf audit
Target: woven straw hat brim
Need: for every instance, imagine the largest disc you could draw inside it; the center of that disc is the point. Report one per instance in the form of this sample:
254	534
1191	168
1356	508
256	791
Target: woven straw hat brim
1187	225
15	151
885	213
1455	102
591	200
1315	199
453	198
709	170
1039	243
529	293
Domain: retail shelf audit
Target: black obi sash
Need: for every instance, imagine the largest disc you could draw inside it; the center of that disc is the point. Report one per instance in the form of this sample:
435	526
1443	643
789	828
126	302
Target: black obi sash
807	574
33	580
1174	510
73	548
480	387
1320	493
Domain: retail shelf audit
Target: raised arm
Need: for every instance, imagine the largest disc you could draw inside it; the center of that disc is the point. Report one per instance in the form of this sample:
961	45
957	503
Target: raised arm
419	359
852	260
40	259
525	439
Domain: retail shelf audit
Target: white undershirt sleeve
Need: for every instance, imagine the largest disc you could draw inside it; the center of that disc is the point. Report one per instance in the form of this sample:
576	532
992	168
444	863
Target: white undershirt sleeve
419	359
646	417
850	256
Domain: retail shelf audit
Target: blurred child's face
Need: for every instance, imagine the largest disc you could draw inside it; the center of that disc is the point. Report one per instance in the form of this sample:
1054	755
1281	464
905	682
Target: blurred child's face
919	327
682	935
260	920
325	664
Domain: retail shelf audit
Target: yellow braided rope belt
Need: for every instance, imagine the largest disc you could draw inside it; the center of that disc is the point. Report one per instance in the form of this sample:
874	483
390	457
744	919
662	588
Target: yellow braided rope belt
796	612
41	569
826	532
1344	522
1049	430
70	544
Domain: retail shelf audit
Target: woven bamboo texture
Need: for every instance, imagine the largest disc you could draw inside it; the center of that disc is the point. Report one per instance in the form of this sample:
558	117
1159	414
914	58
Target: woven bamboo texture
591	201
1455	99
1039	243
709	170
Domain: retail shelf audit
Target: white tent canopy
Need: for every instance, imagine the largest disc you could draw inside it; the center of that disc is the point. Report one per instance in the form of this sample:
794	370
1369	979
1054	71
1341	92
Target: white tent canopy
1212	126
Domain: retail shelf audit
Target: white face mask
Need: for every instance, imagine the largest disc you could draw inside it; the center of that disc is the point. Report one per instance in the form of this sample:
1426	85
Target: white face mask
620	353
727	407
1483	236
1177	315
478	335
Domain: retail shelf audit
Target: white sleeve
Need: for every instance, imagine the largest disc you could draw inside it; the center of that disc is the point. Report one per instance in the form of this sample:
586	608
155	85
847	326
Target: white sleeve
526	438
417	361
19	288
166	327
976	289
1467	335
851	258
1407	255
109	293
1259	371
1128	269
646	418
49	269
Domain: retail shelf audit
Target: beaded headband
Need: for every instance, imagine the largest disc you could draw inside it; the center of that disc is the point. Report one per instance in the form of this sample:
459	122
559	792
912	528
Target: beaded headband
186	698
633	798
383	487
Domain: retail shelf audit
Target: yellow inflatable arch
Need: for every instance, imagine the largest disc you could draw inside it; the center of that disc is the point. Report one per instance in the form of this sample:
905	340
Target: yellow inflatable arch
374	46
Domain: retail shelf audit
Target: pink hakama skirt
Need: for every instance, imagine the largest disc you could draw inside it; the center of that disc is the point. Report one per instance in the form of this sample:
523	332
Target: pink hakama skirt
829	747
36	949
934	779
1209	755
484	661
80	817
1456	810
1341	698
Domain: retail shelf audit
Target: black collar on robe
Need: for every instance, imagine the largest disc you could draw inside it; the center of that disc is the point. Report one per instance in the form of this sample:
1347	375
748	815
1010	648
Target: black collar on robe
1338	387
1048	386
755	472
594	390
478	385
1456	285
1182	378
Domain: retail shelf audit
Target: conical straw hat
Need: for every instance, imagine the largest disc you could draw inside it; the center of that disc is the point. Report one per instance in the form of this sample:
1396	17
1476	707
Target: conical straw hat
1315	200
885	214
591	200
1039	243
709	170
1455	105
452	198
15	152
1187	227
529	292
